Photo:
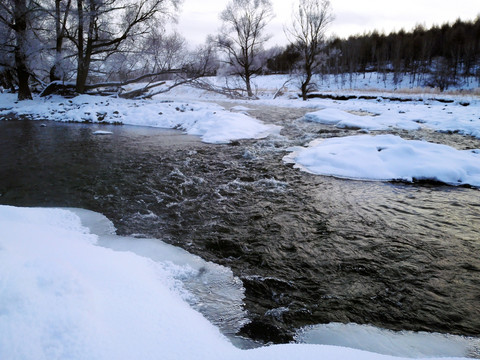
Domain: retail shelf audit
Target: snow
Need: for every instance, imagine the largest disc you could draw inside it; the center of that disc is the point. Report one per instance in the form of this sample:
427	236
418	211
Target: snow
388	157
266	86
404	116
387	342
343	119
393	105
66	297
102	132
209	121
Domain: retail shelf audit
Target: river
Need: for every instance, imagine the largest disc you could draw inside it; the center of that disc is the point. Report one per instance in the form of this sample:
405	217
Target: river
309	249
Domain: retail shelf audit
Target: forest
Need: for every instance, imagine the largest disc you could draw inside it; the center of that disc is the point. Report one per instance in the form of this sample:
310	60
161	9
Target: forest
87	45
441	56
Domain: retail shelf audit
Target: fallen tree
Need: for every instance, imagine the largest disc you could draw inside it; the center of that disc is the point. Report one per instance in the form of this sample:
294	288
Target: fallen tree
117	87
230	92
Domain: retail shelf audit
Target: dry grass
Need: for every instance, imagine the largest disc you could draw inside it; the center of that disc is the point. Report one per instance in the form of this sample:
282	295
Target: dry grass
422	90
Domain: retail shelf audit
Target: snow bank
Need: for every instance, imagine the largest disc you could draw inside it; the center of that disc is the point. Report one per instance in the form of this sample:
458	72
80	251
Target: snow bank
373	84
212	289
209	121
405	116
66	297
343	119
388	157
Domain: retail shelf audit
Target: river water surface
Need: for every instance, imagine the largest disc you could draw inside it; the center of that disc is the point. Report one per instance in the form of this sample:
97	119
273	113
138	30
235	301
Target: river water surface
309	249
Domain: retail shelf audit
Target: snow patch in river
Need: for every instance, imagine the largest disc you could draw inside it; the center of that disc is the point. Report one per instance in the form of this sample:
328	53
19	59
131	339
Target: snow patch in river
387	157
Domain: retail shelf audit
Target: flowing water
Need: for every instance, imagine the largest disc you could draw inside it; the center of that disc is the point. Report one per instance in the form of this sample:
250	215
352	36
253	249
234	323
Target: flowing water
309	249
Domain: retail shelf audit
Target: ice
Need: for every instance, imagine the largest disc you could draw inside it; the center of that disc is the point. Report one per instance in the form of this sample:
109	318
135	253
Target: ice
212	289
96	223
402	343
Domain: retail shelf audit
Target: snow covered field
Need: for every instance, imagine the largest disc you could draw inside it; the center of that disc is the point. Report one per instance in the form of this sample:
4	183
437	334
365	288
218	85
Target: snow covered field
66	297
373	84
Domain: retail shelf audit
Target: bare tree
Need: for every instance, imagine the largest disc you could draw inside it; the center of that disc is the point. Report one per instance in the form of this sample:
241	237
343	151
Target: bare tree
243	35
16	15
307	35
7	60
62	11
154	53
163	51
102	28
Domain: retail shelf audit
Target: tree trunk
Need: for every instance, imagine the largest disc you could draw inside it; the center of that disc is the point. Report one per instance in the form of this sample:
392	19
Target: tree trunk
60	28
20	50
248	85
82	74
308	78
23	76
83	50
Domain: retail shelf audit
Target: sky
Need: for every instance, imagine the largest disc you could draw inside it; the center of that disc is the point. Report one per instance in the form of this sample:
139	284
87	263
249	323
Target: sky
200	17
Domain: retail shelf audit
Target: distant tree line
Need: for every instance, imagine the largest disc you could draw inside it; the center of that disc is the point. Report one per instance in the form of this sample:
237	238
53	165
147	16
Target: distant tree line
441	56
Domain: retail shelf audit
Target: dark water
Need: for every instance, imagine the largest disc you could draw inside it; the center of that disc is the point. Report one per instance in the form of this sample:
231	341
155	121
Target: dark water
309	249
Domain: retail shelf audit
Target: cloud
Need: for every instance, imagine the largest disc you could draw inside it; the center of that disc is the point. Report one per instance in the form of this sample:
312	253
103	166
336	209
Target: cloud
200	18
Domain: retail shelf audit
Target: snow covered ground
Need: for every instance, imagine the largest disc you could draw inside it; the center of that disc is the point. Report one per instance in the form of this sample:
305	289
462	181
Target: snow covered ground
265	87
66	297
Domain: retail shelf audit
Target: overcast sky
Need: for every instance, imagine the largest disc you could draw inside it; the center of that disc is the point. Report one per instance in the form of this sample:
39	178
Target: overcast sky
200	17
